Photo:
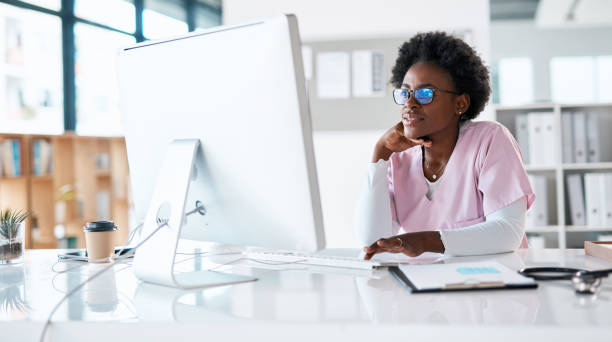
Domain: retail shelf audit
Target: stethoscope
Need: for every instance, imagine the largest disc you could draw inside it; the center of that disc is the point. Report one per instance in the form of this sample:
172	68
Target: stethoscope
585	282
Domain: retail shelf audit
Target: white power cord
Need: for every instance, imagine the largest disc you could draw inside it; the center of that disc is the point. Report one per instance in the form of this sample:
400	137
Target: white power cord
114	261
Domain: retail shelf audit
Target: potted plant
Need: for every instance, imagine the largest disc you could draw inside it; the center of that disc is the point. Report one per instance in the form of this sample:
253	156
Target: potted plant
12	235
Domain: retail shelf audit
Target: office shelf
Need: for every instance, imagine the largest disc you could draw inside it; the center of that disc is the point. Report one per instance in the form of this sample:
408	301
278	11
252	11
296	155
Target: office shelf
587	229
558	202
588	166
74	179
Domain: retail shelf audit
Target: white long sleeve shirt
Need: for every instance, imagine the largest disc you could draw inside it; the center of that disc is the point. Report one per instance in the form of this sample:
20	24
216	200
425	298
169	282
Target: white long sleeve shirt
502	230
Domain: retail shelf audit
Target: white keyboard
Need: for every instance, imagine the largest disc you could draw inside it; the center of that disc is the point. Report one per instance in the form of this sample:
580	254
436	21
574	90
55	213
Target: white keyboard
315	259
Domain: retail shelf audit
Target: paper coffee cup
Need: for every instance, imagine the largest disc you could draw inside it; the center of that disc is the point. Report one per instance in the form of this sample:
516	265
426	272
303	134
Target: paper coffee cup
99	240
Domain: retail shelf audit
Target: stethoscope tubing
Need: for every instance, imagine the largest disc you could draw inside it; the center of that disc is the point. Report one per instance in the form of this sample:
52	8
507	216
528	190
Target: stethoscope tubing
563	273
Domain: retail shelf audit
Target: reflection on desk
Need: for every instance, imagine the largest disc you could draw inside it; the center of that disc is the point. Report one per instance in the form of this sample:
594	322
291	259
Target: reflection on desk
305	299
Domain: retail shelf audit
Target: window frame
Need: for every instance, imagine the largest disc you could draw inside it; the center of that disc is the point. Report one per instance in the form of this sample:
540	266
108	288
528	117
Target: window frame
68	21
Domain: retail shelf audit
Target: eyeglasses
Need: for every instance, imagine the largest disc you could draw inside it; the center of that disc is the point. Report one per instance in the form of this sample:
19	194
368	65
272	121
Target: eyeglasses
421	95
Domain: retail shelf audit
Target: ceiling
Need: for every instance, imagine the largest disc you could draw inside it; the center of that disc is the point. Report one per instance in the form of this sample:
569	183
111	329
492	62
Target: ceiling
554	13
513	9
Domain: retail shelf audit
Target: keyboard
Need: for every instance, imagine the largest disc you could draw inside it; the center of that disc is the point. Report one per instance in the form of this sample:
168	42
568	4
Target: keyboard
316	259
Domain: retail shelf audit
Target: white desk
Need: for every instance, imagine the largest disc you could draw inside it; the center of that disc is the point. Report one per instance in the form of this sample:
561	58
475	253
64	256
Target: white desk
299	304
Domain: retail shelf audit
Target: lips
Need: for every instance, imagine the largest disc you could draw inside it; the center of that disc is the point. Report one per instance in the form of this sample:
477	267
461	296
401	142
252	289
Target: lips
412	120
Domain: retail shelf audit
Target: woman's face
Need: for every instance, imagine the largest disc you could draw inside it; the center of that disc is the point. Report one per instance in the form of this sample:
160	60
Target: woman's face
423	120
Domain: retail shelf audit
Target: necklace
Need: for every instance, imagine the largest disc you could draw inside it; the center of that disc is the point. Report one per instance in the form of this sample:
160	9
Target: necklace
434	172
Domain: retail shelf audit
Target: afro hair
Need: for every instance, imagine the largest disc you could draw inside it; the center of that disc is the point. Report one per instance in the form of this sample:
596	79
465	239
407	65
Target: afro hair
468	72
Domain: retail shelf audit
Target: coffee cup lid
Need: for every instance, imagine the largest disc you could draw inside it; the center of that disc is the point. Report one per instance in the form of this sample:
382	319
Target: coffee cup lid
99	226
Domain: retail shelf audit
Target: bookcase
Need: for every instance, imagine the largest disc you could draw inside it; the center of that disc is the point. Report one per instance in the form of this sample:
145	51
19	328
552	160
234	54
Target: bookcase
64	181
556	148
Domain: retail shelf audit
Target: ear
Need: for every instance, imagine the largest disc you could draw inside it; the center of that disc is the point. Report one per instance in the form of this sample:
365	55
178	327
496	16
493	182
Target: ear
462	104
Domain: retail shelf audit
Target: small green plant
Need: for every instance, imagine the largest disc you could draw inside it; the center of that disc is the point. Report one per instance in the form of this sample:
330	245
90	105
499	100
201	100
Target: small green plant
9	222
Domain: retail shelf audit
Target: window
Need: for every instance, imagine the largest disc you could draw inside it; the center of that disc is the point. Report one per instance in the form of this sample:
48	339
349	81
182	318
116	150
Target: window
31	98
55	5
572	79
206	18
97	96
36	55
162	19
118	14
515	81
603	66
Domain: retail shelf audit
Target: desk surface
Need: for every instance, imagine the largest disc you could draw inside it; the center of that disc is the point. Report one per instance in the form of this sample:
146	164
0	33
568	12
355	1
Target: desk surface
299	301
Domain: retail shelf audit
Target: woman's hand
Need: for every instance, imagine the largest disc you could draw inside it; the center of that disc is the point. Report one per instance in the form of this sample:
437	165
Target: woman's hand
395	140
410	244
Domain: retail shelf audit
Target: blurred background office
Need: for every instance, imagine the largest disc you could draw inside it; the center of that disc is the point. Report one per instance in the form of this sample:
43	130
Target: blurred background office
62	155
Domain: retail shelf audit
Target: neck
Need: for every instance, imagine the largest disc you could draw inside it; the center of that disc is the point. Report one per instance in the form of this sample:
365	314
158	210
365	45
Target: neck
443	144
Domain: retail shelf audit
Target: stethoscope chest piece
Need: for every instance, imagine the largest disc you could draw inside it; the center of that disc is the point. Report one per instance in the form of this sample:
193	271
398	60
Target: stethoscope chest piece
585	283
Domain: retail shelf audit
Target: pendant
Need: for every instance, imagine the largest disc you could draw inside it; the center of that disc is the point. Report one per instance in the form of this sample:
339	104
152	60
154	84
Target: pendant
434	176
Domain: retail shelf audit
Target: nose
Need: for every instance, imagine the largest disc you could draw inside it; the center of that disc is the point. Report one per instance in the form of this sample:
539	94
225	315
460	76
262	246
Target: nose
411	103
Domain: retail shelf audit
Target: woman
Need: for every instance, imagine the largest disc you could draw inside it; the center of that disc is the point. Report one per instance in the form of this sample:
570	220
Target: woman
439	182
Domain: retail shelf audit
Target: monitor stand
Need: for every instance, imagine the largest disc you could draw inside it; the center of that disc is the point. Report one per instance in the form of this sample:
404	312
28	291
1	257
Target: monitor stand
154	260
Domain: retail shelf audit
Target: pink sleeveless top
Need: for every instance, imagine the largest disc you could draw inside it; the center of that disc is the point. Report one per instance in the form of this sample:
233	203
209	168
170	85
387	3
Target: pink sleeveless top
484	173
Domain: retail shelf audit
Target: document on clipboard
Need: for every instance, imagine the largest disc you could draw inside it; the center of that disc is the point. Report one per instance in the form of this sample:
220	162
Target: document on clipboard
460	277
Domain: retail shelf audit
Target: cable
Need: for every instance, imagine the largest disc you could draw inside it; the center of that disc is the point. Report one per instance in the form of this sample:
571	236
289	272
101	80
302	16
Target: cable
95	275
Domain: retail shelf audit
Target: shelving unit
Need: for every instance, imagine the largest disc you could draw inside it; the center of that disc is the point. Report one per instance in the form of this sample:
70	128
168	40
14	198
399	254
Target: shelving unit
84	173
558	207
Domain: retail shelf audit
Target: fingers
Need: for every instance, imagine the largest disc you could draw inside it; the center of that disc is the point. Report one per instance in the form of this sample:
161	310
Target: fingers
390	245
394	243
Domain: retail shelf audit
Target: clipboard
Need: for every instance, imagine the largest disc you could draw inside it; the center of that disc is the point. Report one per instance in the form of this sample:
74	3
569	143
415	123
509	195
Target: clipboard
470	276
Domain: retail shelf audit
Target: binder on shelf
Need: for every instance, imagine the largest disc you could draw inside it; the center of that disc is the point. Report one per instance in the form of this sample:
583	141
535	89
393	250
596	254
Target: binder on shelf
593	198
15	144
606	206
534	127
522	136
567	134
542	148
592	134
11	157
36	167
538	213
575	196
42	157
598	139
580	138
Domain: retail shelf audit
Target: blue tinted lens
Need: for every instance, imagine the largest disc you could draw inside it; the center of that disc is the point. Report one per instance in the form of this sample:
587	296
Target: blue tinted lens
400	96
424	95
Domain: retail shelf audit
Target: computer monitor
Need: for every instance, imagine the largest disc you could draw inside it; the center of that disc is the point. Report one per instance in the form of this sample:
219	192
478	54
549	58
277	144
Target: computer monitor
220	118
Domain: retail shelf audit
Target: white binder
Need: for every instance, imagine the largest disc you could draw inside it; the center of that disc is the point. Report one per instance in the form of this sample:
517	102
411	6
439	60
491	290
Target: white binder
576	200
534	126
549	138
567	135
607	200
522	136
593	196
580	140
592	134
542	146
538	213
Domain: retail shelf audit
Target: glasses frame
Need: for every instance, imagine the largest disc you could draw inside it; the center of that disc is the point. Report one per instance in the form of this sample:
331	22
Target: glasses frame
411	94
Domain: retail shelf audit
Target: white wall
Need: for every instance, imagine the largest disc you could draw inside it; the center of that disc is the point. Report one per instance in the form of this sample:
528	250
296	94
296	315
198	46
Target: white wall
342	156
359	19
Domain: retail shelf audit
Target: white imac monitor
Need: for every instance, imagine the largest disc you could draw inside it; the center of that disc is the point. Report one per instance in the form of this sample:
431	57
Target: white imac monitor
220	118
